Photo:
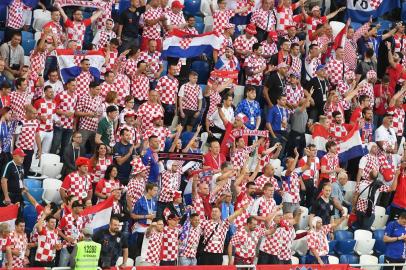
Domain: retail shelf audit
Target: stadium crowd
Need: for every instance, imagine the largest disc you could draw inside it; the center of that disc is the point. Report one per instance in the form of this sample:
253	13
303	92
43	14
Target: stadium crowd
230	152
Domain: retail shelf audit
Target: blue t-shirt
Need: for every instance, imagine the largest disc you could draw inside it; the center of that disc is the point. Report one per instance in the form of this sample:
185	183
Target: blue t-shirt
124	169
251	109
149	160
275	116
144	207
395	249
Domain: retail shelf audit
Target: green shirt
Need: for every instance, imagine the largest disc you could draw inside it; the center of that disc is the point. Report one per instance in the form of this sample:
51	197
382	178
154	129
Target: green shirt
105	129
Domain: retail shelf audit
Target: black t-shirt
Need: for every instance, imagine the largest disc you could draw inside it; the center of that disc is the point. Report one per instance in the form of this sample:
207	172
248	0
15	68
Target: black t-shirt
130	22
111	246
14	174
323	209
276	86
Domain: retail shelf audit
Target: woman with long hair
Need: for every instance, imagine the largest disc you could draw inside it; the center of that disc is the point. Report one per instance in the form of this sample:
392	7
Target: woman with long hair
109	183
99	163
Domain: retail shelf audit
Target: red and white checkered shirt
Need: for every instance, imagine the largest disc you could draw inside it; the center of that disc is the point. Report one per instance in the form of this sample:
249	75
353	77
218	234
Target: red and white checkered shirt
245	4
269	48
255	63
192	30
197	203
154	247
313	171
366	88
398	119
161	132
47	241
136	188
216	242
77	185
66	103
342	88
26	139
331	162
190	95
37	61
76	30
72	227
130	67
140	86
15	15
293	95
242	200
106	87
82	83
264	19
221	18
239	156
291	188
242	43
153	61
57	30
367	164
336	70
46	109
279	243
318	240
170	244
170	182
245	242
111	57
332	107
400	42
174	19
19	242
18	100
310	66
87	103
351	47
122	83
337	131
167	88
225	189
263	179
262	208
284	16
362	203
101	21
135	135
152	31
312	22
105	187
296	65
146	112
190	243
98	171
225	42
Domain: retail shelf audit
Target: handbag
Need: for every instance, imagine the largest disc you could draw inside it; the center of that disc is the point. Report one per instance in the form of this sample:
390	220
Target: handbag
203	242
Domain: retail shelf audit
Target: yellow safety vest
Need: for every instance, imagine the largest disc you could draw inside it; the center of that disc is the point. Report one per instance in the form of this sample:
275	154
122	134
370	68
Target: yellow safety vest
87	255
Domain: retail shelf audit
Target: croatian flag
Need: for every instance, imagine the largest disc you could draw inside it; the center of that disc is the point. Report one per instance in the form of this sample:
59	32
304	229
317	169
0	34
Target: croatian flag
99	214
349	148
69	62
184	45
9	214
362	10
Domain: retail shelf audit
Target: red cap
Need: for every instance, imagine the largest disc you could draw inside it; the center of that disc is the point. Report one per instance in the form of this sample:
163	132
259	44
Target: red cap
177	4
177	194
19	152
251	29
82	161
273	35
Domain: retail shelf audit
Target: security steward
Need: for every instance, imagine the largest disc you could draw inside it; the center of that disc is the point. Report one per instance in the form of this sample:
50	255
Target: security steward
86	253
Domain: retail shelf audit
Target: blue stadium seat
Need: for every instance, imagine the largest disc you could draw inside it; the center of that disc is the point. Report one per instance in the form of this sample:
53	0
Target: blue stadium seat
343	235
32	183
403	12
349	259
203	86
199	27
378	234
379	247
28	46
192	7
27	35
30	217
345	246
36	193
3	15
332	244
199	19
1	36
202	68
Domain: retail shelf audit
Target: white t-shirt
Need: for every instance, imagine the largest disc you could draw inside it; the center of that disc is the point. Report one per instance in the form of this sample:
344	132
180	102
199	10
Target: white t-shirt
228	114
386	134
56	86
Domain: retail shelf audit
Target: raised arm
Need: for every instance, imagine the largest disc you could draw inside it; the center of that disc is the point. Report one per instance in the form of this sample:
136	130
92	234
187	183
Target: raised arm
96	15
333	14
186	149
63	14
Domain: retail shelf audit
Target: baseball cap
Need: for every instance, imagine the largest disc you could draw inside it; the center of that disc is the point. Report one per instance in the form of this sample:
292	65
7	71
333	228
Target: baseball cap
19	152
177	4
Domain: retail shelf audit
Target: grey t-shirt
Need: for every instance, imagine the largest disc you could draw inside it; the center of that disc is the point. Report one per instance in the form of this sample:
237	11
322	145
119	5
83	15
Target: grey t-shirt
299	121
